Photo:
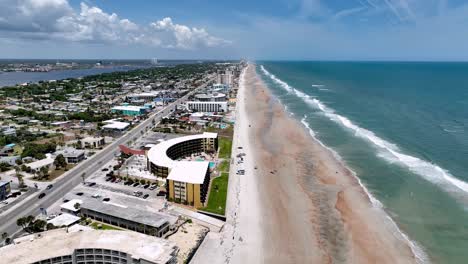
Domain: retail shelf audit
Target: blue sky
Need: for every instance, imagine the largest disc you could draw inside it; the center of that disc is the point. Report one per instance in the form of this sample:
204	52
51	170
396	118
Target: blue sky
202	29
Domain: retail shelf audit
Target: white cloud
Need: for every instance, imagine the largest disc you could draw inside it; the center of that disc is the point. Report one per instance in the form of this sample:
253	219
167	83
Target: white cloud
55	19
180	36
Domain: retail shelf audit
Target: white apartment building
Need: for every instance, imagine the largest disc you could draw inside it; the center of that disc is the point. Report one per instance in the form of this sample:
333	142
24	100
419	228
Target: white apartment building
207	106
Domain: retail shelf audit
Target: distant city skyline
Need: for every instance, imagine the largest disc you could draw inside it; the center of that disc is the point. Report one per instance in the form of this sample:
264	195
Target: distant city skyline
261	30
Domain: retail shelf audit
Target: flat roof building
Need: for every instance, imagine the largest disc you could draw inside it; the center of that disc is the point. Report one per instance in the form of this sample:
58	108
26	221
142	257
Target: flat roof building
115	125
72	155
5	189
211	107
188	182
163	156
91	246
129	216
129	110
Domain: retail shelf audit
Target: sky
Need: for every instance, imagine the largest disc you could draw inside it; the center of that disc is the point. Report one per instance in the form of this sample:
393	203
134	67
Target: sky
258	30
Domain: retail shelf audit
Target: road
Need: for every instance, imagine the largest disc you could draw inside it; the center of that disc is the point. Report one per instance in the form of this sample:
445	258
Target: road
75	176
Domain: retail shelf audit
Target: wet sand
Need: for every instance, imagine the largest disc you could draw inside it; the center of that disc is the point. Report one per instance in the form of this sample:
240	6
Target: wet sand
312	208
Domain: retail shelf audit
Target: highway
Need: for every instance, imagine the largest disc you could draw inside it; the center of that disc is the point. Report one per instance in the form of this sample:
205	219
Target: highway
74	177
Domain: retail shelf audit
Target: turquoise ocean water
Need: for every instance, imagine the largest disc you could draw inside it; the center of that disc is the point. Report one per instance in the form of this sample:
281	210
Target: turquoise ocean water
402	127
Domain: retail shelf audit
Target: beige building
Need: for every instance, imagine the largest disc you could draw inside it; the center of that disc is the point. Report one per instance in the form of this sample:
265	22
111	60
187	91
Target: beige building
188	183
62	246
163	156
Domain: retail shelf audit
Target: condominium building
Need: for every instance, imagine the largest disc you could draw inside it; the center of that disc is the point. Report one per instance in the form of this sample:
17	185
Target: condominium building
188	183
207	106
61	246
163	156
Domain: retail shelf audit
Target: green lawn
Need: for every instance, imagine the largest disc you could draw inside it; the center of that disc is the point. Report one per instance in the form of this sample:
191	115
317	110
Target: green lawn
224	166
225	146
95	225
218	193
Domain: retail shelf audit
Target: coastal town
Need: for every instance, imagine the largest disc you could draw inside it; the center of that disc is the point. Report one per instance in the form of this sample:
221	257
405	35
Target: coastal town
146	151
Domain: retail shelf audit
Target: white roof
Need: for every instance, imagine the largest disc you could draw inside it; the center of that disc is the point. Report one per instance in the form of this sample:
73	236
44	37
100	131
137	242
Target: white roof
59	242
158	154
116	125
189	171
70	205
64	220
40	163
145	94
127	108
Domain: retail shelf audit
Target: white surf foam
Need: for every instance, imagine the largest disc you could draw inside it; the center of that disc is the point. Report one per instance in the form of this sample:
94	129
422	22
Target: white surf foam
388	151
415	248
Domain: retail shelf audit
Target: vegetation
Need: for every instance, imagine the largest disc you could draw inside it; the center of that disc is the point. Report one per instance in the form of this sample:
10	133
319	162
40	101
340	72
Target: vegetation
60	161
38	151
102	226
31	225
224	166
225	146
218	193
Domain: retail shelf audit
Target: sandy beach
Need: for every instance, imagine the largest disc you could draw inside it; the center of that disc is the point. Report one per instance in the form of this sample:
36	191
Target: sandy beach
297	203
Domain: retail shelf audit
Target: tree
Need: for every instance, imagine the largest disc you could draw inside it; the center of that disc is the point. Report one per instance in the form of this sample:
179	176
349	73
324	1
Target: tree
44	171
60	161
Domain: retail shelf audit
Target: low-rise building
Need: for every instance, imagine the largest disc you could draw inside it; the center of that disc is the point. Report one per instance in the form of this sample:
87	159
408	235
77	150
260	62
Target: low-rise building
4	190
133	217
62	246
72	155
92	142
129	110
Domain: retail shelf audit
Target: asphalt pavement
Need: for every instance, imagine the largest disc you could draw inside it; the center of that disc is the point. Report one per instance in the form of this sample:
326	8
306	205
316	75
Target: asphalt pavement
79	173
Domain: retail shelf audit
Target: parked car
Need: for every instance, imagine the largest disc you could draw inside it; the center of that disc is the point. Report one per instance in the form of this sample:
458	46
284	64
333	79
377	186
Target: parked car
79	193
49	186
152	187
145	196
106	199
105	169
41	195
161	193
146	186
136	184
91	184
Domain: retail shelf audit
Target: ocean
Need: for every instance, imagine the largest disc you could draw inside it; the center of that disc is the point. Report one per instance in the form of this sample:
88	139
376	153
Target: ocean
402	127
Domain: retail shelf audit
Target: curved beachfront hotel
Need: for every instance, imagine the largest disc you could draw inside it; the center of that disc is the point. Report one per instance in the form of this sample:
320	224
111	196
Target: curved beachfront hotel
91	246
188	181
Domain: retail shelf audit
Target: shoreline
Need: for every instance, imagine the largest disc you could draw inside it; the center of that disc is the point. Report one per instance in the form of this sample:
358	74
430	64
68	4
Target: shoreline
297	202
345	226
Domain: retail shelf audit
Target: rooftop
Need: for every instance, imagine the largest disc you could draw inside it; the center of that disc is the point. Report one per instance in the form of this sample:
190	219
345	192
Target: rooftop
189	171
71	152
64	220
157	154
128	211
128	108
116	125
59	242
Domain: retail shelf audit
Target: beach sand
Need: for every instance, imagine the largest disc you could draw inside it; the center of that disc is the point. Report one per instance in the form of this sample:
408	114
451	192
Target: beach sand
296	203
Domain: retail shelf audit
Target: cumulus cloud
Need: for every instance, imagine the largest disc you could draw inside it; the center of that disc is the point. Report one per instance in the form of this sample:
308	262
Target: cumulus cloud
56	19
